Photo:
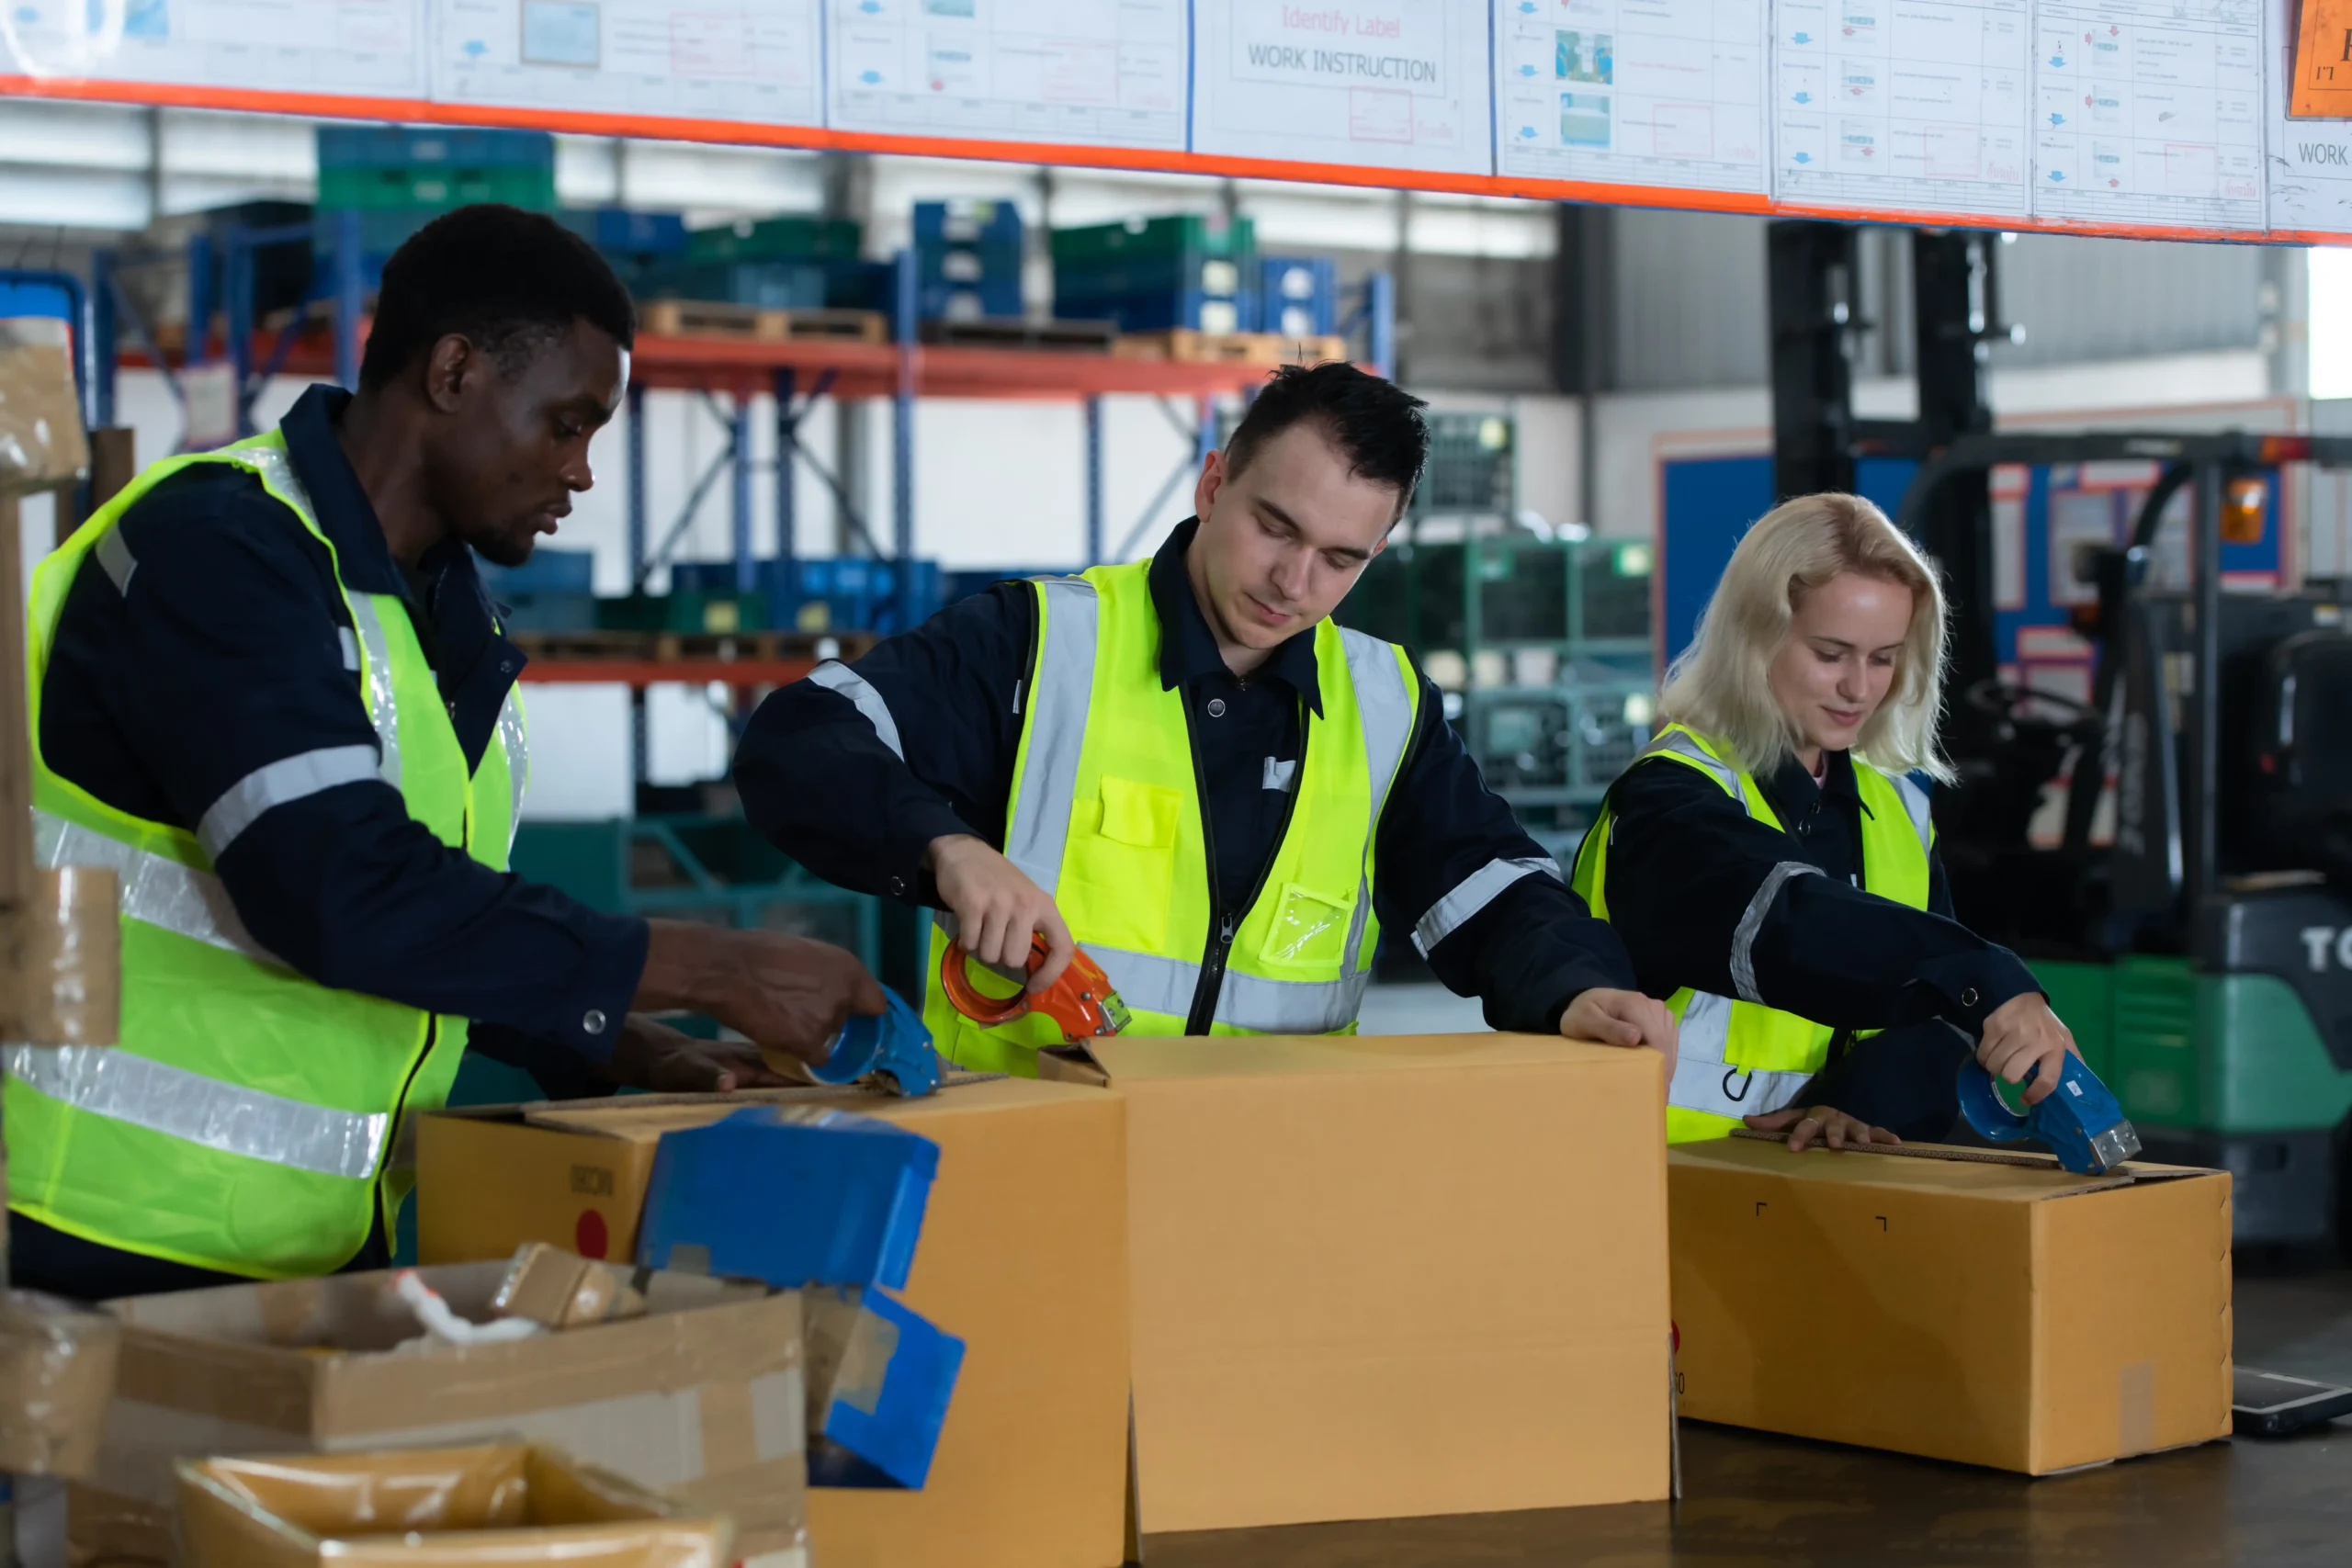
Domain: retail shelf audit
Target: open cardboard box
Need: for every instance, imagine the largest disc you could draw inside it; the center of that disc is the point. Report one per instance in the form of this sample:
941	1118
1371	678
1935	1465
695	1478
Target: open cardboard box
1991	1309
493	1506
700	1400
1391	1276
1022	1256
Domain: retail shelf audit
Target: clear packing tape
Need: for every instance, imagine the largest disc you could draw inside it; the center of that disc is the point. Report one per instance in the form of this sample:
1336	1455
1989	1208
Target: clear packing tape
57	1370
41	439
490	1505
72	946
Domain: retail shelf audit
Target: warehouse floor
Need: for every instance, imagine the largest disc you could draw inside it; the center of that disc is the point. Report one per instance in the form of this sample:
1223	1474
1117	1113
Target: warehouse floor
1752	1501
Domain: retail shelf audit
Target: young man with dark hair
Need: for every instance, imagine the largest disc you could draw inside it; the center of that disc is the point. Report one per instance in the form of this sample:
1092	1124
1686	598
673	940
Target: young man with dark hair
272	696
1185	768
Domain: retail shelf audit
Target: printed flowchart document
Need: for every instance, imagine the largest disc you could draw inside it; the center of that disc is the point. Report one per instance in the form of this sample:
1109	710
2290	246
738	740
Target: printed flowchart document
1902	105
695	58
1387	83
1633	91
375	47
2149	111
1108	72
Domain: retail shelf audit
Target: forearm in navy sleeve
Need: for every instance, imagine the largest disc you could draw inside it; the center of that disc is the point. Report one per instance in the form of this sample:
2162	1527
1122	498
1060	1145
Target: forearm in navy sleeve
1484	905
1705	896
854	772
251	726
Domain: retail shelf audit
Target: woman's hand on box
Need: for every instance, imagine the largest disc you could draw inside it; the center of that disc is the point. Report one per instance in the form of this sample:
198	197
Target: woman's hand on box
1623	1018
1822	1123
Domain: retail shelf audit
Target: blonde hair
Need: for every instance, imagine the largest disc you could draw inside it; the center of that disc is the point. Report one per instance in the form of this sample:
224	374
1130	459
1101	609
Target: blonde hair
1721	686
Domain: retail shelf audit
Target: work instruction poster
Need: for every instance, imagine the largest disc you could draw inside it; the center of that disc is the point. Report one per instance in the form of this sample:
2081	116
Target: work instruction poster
1633	92
375	47
689	59
1387	83
1089	73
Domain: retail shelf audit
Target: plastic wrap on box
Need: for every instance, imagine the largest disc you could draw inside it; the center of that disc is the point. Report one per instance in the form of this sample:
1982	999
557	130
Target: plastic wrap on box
41	439
488	1507
57	1367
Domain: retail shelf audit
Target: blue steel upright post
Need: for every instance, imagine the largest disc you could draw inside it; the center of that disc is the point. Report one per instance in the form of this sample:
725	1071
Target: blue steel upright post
1093	410
1380	321
787	517
902	441
350	295
747	565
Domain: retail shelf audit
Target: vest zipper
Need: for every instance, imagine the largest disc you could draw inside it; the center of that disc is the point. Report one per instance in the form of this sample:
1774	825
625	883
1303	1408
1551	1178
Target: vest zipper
1225	921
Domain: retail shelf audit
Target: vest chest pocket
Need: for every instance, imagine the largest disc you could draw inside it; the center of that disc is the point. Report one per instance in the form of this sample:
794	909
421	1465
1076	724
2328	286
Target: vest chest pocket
1309	927
1118	875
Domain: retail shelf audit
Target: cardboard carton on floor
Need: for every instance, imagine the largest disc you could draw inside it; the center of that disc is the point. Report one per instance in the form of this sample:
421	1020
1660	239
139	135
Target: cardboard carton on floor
1997	1313
494	1506
700	1400
1385	1277
1023	1257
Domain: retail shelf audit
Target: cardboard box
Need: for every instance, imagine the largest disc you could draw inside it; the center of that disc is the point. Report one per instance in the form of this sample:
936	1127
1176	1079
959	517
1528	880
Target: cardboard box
701	1400
1385	1277
57	1370
42	440
789	1195
489	1507
563	1289
1981	1310
1023	1257
880	1383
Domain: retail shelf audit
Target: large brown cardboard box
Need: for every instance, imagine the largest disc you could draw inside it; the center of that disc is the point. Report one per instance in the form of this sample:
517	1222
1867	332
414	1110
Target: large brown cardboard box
1939	1304
1384	1277
1023	1255
701	1400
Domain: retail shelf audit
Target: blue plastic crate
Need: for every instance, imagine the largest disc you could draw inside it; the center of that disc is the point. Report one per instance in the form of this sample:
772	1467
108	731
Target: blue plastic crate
1217	276
627	232
1158	312
548	570
378	146
1298	295
790	1196
555	612
969	303
967	222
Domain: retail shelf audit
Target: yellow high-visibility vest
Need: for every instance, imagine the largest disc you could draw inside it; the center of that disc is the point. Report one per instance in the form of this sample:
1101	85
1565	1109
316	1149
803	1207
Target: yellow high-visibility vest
1738	1057
246	1121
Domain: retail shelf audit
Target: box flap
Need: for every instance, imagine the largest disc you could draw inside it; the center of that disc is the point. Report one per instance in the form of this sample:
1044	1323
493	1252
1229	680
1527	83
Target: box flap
643	1118
1993	1175
1131	1059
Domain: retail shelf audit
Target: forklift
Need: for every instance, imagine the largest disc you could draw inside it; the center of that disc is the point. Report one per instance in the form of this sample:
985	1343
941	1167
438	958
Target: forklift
2202	956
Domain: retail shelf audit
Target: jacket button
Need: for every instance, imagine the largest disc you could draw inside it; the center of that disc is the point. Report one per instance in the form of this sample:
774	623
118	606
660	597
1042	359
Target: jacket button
898	885
1216	707
1968	996
592	1020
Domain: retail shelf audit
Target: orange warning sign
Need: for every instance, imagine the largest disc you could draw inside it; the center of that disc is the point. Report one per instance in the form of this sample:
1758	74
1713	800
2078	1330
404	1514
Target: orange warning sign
2322	72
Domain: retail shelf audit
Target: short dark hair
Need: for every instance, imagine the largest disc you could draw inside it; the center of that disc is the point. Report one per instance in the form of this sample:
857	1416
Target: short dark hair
1375	424
508	280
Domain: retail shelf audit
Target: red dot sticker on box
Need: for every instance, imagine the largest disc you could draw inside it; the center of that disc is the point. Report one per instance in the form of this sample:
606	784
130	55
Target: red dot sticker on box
588	1236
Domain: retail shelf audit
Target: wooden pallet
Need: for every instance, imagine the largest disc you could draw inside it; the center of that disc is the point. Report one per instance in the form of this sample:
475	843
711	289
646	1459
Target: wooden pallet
1186	346
670	647
716	318
1004	332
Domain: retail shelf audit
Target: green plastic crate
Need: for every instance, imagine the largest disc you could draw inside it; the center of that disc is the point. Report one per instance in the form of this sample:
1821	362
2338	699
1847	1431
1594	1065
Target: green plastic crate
435	185
718	613
778	239
1186	234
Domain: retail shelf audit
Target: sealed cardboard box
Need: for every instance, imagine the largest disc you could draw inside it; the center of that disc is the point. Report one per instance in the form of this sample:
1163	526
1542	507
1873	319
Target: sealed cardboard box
1023	1257
1385	1277
700	1400
1996	1310
493	1506
881	1380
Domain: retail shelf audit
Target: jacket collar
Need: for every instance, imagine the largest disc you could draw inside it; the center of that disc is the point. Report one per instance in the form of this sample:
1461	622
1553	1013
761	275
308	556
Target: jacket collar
345	514
1187	646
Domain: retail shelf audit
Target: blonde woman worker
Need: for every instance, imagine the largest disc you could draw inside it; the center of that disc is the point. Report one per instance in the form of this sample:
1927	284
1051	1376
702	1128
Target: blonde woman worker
1769	862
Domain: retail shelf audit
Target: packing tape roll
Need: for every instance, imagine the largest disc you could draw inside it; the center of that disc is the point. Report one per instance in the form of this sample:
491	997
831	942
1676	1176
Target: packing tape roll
72	951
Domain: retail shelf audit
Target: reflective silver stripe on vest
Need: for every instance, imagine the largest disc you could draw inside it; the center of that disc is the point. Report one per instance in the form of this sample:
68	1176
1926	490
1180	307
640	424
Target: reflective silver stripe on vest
156	890
1152	984
383	711
1473	893
279	783
1915	801
115	559
114	1083
516	737
350	641
1385	708
1056	732
835	676
1682	746
1704	1081
1751	921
